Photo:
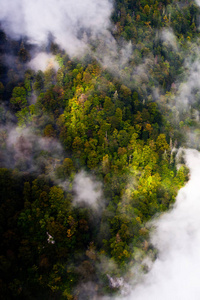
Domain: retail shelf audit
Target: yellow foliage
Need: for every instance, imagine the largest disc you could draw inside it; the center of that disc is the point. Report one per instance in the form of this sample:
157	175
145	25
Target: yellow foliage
138	18
69	234
138	220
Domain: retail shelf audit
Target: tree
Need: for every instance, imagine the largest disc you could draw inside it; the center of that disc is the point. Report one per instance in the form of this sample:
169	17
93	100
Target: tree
161	144
18	100
49	131
68	166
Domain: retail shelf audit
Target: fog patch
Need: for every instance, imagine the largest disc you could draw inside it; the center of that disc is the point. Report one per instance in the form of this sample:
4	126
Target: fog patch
112	55
43	61
168	37
87	191
70	22
186	90
26	151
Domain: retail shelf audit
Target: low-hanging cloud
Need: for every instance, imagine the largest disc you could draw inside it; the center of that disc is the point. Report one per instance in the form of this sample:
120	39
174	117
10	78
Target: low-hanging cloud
87	190
175	273
168	36
22	148
186	96
43	61
68	21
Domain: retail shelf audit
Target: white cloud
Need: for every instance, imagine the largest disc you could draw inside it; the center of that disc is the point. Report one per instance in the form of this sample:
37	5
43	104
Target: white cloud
24	147
87	190
43	61
169	37
185	92
64	19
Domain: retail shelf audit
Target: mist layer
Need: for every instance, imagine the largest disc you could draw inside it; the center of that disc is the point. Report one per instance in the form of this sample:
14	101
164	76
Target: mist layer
69	22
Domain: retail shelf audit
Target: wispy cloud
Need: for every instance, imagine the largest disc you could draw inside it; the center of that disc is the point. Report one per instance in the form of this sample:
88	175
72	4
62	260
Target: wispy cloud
87	190
68	21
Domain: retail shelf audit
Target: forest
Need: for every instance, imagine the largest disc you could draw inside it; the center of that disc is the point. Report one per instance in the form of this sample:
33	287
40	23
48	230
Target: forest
90	150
